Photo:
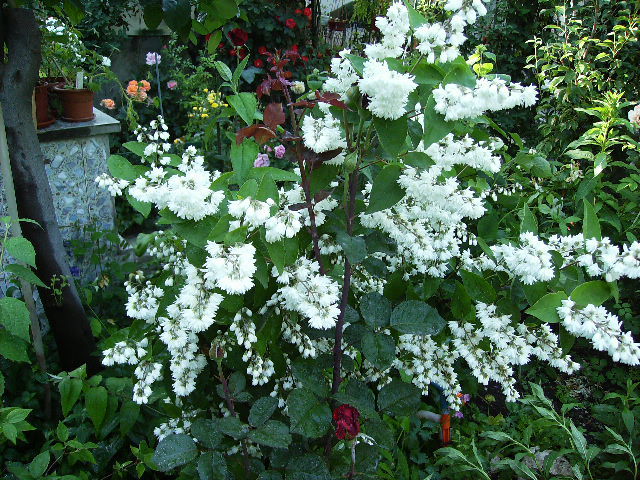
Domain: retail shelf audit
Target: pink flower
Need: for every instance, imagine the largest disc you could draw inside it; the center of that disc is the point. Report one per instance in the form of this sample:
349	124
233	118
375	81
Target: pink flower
172	84
153	58
262	160
280	150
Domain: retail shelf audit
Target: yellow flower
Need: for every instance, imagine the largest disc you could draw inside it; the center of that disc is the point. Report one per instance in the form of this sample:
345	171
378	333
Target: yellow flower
204	115
205	90
214	105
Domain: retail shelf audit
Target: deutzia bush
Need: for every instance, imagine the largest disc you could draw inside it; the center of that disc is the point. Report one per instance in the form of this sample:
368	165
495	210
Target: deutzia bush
366	275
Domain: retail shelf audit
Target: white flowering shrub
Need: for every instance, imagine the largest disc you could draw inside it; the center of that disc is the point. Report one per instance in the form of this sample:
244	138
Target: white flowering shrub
365	276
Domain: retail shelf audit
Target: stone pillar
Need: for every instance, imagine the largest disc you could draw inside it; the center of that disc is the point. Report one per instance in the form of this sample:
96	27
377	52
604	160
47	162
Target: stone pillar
75	154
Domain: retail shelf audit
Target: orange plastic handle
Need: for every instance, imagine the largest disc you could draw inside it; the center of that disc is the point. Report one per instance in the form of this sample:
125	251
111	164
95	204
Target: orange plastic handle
445	425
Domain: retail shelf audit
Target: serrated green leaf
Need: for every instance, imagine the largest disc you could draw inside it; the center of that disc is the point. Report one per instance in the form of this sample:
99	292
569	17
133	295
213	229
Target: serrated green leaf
386	192
173	451
22	250
14	316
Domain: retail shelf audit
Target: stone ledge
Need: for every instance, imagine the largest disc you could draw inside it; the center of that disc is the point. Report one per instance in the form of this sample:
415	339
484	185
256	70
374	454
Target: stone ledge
61	130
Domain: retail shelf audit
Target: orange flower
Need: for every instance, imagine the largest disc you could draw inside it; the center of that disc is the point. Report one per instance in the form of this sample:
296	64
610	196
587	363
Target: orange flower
132	88
145	85
108	103
138	89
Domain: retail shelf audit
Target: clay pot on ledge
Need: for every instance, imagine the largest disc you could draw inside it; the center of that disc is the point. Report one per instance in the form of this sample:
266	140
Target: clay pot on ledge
77	104
44	116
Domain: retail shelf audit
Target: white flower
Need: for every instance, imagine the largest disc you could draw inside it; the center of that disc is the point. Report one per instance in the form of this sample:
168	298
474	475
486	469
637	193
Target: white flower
323	134
388	90
344	75
230	268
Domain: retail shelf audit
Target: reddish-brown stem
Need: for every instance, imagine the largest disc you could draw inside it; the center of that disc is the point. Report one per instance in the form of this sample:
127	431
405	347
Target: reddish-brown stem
229	400
306	185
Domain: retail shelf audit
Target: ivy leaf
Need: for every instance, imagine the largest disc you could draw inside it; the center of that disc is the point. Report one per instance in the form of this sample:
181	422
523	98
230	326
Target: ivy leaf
272	434
375	309
399	398
262	410
173	451
477	287
22	250
392	134
14	316
245	104
310	416
386	192
596	293
545	309
379	349
415	317
590	223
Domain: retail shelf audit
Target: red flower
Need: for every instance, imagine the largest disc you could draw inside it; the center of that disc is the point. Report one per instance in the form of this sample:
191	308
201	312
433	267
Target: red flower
307	12
221	45
233	52
262	50
207	37
305	59
291	23
258	63
238	36
347	420
288	74
242	53
295	47
298	12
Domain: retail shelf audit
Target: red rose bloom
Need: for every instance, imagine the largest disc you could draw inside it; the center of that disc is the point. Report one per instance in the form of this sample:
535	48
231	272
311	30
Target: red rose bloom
233	52
262	50
242	53
258	63
291	23
307	12
305	59
347	420
238	36
295	47
298	12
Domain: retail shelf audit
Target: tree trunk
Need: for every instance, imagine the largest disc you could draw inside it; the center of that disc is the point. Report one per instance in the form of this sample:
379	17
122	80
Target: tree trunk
18	76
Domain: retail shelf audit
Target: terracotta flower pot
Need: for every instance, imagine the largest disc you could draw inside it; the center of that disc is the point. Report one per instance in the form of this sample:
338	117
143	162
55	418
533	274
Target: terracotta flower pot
77	105
43	113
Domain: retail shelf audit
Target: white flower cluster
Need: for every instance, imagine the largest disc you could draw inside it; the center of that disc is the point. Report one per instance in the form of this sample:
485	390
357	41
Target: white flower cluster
126	352
344	76
292	333
387	89
285	223
178	425
250	211
143	297
307	292
115	186
230	268
507	346
260	368
294	197
442	41
456	102
427	225
602	328
449	152
323	134
146	373
394	28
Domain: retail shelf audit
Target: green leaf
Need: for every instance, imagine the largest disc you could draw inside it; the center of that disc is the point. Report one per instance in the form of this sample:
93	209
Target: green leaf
392	134
415	18
595	292
22	250
173	451
379	349
120	167
477	287
460	74
242	158
590	223
399	398
143	207
134	147
276	174
435	126
14	316
427	74
12	347
545	309
358	394
272	434
310	416
177	14
152	15
357	63
534	163
375	310
223	70
129	413
386	192
214	41
206	431
96	405
233	427
70	389
198	232
415	317
24	273
355	248
245	104
212	466
62	432
39	464
2	385
529	222
262	410
579	441
283	252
